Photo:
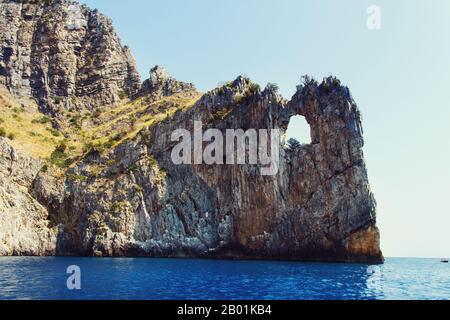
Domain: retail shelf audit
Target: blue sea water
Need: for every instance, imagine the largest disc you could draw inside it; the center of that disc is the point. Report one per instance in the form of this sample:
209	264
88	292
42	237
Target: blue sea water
150	279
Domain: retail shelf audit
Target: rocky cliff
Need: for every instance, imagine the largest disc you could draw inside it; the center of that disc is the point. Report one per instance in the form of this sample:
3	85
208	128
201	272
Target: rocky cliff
24	225
64	55
121	194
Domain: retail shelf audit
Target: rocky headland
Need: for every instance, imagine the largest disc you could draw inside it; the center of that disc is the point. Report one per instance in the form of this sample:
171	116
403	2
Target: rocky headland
85	155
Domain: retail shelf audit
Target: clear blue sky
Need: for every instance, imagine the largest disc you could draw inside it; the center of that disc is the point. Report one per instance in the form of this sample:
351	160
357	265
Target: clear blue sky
399	76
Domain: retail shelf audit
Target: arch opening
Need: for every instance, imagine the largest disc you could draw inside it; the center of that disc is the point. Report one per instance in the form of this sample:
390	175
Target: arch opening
298	132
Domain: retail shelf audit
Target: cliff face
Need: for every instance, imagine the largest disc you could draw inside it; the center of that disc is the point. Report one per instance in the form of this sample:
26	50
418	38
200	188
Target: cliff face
63	54
317	207
130	199
24	225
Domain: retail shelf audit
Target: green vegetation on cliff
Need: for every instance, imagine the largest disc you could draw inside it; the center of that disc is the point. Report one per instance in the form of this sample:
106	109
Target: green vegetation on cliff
66	138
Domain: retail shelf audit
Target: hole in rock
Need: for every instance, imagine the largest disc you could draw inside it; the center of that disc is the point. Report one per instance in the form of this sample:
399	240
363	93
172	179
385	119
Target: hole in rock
298	132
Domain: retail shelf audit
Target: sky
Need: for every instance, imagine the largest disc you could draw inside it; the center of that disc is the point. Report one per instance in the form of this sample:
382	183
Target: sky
399	76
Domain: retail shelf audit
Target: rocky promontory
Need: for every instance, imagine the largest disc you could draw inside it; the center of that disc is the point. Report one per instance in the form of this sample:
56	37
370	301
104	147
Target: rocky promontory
103	181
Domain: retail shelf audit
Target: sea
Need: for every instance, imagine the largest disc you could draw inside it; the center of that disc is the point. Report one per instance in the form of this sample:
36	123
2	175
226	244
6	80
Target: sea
54	278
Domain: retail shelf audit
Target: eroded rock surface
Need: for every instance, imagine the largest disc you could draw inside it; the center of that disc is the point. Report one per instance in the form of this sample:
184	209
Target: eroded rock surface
161	84
132	200
63	54
317	207
24	225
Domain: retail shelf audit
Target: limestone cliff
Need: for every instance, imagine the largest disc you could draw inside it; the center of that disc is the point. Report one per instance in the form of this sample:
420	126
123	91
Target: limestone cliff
64	55
120	194
24	225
